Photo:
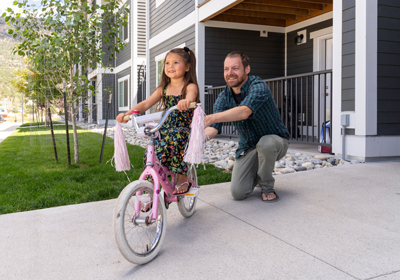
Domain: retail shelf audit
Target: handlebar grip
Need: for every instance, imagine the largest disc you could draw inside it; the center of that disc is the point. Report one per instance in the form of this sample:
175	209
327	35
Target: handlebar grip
127	118
192	105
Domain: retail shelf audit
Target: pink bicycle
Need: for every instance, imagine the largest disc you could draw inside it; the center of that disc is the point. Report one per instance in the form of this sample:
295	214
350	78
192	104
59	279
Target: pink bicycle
140	219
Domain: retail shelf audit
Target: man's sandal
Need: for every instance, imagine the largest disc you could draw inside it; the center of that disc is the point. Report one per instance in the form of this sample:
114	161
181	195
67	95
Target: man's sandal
188	189
270	200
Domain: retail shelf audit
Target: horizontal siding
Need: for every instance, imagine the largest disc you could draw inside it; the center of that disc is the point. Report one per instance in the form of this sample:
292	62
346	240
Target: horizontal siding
108	83
141	28
187	36
125	54
168	13
267	57
300	57
348	54
388	103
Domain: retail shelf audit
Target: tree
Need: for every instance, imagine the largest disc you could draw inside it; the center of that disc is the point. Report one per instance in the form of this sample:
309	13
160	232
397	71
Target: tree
63	38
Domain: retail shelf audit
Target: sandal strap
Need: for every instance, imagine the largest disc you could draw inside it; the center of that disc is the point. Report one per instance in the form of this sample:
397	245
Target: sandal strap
177	188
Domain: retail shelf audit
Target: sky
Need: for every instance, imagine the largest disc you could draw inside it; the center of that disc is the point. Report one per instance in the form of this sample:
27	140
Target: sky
4	4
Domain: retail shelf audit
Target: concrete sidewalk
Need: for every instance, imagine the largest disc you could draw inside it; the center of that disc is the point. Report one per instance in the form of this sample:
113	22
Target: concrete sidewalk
7	128
333	223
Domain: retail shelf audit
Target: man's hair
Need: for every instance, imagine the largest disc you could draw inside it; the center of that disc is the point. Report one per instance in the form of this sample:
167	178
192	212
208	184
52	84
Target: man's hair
243	57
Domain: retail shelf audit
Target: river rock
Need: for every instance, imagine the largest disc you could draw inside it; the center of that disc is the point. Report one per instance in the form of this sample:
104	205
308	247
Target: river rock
316	161
287	170
308	164
300	168
321	157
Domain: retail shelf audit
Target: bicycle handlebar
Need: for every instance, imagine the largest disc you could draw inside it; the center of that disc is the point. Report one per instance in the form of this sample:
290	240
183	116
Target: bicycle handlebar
192	105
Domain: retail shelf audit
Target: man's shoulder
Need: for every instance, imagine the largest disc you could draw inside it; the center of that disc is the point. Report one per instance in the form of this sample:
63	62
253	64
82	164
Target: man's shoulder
257	83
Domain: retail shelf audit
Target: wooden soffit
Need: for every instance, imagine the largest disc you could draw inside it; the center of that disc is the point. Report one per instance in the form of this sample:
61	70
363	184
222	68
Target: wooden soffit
272	12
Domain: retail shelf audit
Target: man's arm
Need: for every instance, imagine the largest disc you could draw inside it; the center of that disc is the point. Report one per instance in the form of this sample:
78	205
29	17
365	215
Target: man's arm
231	115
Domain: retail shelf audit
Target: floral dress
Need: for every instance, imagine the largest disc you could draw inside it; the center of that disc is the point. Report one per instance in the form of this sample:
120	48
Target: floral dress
173	137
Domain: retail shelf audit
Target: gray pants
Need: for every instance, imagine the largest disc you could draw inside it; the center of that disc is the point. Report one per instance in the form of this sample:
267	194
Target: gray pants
256	166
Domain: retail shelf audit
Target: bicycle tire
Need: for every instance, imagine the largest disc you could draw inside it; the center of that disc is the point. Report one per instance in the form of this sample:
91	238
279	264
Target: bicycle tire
187	204
138	243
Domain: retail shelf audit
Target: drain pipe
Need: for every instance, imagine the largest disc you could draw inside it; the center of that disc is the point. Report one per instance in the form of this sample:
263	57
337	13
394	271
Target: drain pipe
345	121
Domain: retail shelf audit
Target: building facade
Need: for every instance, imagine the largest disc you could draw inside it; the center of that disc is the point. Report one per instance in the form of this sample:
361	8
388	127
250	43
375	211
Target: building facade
330	63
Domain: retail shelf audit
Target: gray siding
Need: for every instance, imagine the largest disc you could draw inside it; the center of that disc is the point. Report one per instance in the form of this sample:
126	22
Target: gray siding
300	57
108	82
348	55
187	36
388	67
168	13
106	60
141	28
267	54
125	54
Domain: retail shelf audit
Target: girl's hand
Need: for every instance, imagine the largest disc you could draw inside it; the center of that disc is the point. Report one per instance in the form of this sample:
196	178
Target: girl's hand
120	118
183	105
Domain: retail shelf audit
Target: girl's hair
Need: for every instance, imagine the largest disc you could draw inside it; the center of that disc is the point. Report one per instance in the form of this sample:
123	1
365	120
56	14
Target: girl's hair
190	76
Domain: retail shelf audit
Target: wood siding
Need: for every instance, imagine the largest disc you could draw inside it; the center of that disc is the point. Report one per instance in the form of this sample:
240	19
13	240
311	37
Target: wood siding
267	54
348	55
141	28
125	54
388	67
168	13
187	36
108	82
300	57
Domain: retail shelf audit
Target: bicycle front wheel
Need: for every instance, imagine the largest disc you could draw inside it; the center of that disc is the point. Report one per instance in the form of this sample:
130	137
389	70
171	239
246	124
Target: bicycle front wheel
138	242
187	204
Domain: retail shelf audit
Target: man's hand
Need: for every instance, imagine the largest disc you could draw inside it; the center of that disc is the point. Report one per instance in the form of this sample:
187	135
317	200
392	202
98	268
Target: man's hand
183	105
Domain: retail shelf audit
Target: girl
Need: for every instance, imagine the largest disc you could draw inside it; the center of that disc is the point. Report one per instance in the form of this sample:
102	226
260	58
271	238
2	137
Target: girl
178	87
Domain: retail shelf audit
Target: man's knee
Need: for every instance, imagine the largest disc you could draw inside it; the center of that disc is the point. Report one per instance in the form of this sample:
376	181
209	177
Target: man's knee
237	192
267	144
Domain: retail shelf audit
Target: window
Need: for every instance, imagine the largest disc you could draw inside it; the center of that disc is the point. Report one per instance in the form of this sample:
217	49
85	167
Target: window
160	64
123	93
124	30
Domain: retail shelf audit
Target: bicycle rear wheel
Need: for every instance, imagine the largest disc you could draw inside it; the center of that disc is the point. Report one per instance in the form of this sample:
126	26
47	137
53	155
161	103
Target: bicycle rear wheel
138	242
187	204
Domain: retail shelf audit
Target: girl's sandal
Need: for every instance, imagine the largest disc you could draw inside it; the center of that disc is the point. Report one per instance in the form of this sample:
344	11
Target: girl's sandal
188	189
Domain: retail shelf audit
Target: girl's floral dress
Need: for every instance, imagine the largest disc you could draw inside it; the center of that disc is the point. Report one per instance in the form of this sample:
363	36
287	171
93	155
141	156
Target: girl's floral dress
173	137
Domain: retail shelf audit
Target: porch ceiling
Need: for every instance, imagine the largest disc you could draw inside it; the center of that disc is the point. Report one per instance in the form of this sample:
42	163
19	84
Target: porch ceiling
272	12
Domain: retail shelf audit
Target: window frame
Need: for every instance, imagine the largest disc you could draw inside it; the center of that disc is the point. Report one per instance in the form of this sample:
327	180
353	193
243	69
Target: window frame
122	29
122	80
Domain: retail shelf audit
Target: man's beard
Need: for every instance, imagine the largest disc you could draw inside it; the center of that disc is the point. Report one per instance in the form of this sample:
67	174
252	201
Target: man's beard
232	84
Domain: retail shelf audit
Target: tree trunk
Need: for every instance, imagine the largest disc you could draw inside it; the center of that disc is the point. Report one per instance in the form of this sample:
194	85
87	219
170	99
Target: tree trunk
76	144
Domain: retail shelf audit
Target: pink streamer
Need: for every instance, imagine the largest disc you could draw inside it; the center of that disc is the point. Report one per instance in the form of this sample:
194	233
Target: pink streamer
195	150
121	156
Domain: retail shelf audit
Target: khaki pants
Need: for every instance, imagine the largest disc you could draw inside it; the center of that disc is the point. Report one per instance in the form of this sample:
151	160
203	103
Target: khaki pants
257	165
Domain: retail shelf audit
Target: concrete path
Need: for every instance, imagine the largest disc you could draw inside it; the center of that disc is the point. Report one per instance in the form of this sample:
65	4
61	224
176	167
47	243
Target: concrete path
334	223
7	128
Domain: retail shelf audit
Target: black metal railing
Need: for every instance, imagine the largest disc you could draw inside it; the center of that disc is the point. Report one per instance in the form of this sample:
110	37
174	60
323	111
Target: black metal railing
304	102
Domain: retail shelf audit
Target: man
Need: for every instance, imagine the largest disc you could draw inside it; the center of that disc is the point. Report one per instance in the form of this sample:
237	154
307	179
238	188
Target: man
247	102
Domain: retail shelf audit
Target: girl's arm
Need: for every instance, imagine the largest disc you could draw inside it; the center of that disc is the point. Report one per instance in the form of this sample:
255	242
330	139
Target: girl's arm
191	96
142	106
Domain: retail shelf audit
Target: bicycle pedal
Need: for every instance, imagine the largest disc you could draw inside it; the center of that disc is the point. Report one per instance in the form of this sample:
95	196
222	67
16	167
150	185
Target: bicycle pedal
192	192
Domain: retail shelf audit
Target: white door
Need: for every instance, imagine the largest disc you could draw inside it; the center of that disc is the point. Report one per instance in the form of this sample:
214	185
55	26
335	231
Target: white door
328	66
323	50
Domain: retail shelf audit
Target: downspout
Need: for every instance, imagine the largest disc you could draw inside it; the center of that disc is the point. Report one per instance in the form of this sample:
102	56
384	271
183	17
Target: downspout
345	121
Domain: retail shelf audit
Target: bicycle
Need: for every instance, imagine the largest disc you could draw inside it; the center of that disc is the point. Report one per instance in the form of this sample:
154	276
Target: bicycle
140	213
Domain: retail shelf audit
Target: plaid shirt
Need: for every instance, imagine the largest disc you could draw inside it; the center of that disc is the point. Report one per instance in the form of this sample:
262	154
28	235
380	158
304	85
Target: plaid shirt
264	120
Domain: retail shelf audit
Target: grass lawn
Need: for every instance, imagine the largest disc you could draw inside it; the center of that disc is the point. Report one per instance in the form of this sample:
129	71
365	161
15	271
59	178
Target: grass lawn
30	178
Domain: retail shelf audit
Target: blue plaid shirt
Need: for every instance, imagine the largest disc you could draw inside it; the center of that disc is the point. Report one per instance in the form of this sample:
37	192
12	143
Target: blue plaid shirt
265	119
